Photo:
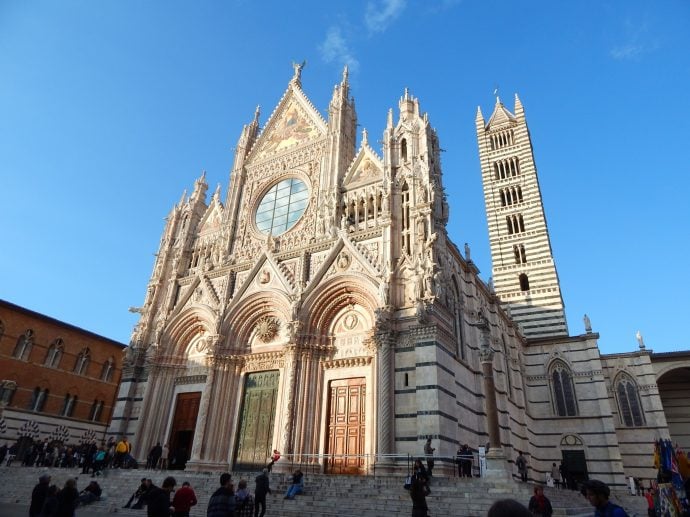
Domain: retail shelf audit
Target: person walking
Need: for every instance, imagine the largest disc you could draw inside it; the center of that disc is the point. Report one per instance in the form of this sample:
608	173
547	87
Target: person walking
262	488
556	475
539	504
429	453
244	502
154	456
183	500
521	464
68	498
38	495
158	499
222	502
597	493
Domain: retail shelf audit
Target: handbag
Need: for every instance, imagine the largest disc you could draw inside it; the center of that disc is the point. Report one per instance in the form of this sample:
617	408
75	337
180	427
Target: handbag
408	483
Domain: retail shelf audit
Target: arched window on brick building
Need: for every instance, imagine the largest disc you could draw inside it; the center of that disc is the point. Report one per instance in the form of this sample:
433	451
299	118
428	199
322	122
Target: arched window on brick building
107	371
22	349
81	365
54	354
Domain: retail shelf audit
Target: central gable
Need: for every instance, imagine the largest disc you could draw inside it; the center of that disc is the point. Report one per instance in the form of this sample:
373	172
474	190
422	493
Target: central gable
295	121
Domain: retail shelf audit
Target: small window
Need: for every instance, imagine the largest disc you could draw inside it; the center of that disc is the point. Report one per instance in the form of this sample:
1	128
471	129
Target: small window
7	389
107	371
54	354
403	150
82	363
22	349
524	282
96	410
38	399
68	405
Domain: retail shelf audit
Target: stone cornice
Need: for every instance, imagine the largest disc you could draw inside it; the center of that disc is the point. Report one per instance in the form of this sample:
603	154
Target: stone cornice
190	379
347	362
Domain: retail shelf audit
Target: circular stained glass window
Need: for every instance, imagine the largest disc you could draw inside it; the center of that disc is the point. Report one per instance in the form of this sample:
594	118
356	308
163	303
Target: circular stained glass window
282	206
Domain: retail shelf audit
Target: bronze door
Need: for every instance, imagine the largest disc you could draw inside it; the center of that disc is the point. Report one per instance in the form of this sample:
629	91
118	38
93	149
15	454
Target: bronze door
346	426
254	445
183	426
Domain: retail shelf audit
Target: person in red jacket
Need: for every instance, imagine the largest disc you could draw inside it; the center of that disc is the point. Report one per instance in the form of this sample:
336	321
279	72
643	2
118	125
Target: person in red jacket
184	499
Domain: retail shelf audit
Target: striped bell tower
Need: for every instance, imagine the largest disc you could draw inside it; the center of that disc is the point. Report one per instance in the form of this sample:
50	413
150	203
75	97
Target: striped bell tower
523	268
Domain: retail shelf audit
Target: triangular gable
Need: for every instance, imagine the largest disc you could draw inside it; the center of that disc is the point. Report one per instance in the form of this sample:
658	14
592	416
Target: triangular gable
295	121
201	291
265	275
213	217
500	116
366	168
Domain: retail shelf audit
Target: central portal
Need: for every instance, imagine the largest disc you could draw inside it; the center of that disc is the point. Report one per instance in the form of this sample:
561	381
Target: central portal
254	445
346	426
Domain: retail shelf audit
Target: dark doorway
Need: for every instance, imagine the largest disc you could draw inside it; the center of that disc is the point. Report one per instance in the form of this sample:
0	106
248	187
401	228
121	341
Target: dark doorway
255	440
183	426
575	466
346	426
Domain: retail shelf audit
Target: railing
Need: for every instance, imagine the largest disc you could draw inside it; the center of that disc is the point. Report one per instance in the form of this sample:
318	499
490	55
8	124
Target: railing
369	464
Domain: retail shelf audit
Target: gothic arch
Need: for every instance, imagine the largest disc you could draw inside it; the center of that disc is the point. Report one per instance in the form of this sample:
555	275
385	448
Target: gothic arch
241	320
325	303
670	367
182	329
627	393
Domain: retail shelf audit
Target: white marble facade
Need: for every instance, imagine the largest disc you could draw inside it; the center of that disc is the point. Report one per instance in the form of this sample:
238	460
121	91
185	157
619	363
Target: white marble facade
357	279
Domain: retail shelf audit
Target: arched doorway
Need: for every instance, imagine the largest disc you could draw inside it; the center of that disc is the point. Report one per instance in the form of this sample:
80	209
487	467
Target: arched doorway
674	391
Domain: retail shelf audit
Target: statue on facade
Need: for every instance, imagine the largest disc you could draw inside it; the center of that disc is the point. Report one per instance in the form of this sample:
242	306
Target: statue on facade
467	252
588	324
384	287
640	340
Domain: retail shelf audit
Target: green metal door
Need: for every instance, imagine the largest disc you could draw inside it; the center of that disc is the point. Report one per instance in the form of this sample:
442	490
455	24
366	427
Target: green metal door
254	445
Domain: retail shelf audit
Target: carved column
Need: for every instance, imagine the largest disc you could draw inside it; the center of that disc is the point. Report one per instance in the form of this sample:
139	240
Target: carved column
156	408
385	399
200	435
230	400
290	392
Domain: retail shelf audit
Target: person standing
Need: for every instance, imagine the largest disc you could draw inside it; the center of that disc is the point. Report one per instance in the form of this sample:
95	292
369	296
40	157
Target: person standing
122	450
556	475
154	456
539	504
429	453
597	492
38	495
262	488
164	457
50	506
68	498
183	500
158	499
521	464
222	502
418	493
244	503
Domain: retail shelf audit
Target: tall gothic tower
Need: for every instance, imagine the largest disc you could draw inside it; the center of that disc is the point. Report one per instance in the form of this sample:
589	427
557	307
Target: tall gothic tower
523	268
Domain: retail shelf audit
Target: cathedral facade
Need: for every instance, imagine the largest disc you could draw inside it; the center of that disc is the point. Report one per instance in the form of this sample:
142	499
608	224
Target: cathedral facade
320	309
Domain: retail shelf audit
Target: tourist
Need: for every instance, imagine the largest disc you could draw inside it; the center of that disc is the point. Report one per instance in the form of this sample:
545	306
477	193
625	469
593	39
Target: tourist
508	508
51	503
158	499
465	461
597	492
154	455
274	457
262	488
297	486
38	495
244	503
122	450
556	475
222	502
139	495
429	453
521	464
91	493
68	498
418	492
164	457
183	500
539	504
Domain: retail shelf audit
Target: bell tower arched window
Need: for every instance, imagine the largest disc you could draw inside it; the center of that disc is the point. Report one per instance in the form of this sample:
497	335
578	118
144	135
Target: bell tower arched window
564	399
629	401
405	226
524	282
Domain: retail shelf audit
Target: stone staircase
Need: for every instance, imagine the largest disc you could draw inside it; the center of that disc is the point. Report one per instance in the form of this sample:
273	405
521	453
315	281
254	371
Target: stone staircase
325	495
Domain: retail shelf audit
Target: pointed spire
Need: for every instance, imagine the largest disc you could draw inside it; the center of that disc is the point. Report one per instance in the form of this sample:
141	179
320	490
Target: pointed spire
346	74
257	113
365	137
389	121
479	117
407	94
216	194
183	199
519	109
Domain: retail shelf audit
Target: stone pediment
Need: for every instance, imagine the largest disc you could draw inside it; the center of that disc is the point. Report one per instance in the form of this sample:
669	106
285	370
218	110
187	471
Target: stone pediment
266	275
294	122
200	292
366	168
213	217
500	117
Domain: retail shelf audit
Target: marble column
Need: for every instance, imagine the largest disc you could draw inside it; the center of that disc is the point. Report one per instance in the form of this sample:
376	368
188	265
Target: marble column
203	418
156	409
385	400
290	393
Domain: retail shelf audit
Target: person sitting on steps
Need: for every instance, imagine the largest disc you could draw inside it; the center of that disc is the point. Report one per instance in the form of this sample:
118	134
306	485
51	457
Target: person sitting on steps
297	486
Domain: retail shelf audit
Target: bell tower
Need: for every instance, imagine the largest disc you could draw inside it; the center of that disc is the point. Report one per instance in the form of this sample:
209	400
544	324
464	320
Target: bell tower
523	268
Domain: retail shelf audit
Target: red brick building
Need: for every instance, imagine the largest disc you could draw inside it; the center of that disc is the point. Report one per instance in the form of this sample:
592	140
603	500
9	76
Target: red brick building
57	381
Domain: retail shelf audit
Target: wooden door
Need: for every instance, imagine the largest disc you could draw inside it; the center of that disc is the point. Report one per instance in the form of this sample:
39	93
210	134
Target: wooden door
183	426
255	437
346	426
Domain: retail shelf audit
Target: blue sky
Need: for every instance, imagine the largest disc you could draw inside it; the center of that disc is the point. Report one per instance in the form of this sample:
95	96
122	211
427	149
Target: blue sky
110	109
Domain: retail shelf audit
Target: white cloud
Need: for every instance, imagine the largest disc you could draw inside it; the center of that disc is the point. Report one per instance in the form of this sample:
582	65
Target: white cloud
334	49
379	14
636	41
626	51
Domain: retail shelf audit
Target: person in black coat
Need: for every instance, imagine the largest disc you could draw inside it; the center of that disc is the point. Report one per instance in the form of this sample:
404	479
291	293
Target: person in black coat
158	499
39	494
50	506
68	498
418	492
262	488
